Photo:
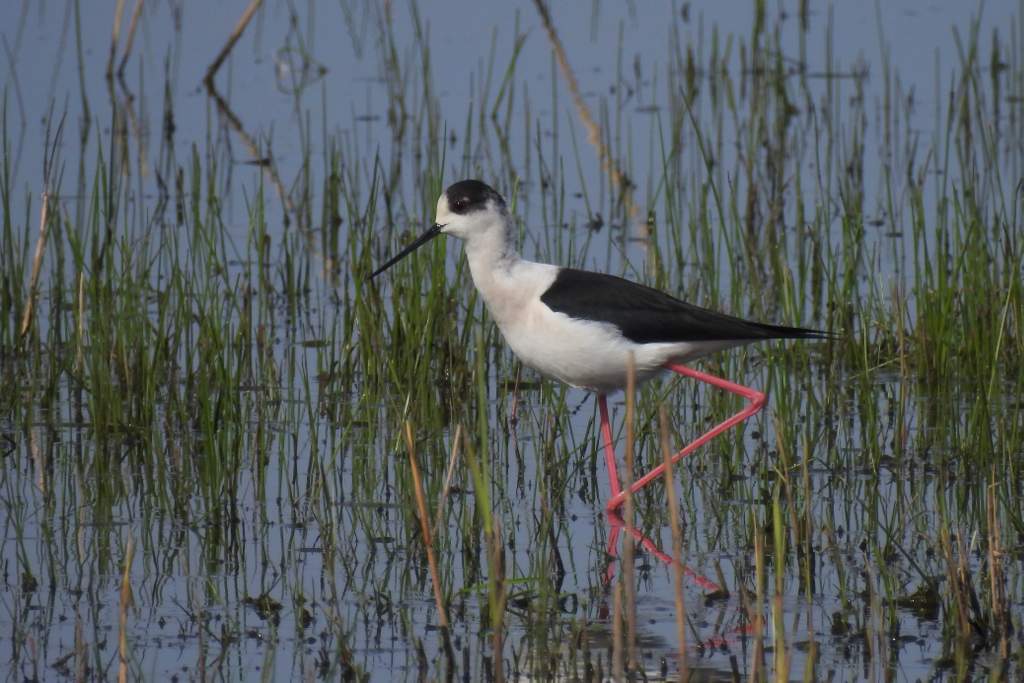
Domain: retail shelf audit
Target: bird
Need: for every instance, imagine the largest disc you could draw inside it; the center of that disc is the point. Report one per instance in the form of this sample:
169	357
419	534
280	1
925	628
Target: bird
585	328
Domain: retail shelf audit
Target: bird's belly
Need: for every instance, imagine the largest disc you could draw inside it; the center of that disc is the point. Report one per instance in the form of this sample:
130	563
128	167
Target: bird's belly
585	354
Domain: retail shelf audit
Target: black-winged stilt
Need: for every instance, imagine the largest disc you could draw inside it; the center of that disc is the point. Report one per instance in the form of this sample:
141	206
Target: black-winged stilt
580	327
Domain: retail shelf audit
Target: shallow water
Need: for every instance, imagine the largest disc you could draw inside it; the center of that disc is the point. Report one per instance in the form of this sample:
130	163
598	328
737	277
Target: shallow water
304	560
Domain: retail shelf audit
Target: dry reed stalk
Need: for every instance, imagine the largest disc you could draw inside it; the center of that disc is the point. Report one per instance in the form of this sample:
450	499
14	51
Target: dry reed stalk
756	672
126	602
37	263
806	524
38	459
958	580
133	24
267	163
781	664
449	474
115	35
618	670
243	21
81	656
80	344
497	600
874	630
997	586
421	507
677	543
618	177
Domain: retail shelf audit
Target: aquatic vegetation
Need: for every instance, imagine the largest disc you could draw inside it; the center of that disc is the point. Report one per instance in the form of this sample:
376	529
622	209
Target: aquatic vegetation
208	413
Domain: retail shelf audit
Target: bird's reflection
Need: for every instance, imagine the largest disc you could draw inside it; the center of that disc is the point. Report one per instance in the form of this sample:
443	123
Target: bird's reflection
618	525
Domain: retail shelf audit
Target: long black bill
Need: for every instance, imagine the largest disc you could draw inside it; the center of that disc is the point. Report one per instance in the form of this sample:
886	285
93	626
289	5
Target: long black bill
430	234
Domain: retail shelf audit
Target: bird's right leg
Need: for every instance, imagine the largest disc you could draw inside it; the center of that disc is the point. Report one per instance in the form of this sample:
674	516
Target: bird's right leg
609	448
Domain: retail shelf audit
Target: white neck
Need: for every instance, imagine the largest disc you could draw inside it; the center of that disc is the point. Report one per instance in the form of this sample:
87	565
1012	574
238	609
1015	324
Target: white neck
492	258
490	249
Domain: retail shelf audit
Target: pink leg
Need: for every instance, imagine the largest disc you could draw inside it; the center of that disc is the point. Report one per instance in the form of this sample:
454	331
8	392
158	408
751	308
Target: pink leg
755	397
617	525
609	449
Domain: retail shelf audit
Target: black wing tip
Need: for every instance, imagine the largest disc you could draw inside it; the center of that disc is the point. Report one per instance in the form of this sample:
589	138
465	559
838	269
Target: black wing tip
783	332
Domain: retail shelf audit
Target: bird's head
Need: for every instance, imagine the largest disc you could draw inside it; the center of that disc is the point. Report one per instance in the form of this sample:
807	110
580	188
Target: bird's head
470	210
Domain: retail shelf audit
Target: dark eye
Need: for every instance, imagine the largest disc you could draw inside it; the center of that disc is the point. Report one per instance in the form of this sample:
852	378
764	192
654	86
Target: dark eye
460	205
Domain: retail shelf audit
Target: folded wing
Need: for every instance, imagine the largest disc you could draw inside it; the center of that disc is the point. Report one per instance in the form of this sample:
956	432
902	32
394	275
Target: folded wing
645	315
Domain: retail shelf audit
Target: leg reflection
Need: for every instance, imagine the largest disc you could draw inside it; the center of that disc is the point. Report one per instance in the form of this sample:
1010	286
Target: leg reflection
618	525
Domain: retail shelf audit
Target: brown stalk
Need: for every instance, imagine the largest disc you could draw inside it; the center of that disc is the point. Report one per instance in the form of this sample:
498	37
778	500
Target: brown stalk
449	475
115	35
997	587
38	458
37	263
80	653
497	600
758	615
421	507
133	23
618	670
49	158
956	583
243	21
80	344
269	168
781	667
619	179
677	544
126	602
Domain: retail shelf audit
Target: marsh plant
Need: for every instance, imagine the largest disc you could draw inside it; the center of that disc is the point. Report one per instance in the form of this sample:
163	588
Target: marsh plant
226	454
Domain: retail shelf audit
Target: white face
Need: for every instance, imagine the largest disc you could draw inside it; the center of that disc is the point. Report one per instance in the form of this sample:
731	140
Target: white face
475	220
443	216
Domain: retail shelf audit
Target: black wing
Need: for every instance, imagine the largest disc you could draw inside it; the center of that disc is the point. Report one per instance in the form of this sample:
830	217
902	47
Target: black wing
646	315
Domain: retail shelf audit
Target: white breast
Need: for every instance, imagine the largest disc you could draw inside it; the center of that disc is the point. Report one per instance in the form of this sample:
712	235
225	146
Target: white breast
582	353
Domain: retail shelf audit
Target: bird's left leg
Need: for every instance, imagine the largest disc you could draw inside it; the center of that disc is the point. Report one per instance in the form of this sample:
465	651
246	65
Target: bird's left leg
756	402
